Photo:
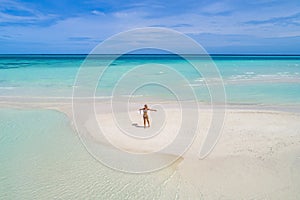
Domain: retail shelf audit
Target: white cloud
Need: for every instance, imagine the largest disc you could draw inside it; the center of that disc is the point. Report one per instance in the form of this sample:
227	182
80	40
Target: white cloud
216	8
21	13
96	12
99	25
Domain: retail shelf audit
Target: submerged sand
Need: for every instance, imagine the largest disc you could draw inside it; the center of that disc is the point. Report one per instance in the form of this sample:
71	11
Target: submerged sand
256	157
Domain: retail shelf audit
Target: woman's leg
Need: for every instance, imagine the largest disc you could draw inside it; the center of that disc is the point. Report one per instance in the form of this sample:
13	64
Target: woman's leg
148	122
144	122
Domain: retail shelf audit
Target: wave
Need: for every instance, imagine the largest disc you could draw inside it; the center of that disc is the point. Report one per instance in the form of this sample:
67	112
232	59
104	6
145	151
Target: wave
7	88
280	77
13	65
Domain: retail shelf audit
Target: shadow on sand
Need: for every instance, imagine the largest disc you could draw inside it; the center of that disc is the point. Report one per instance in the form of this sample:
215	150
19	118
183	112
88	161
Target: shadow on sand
137	125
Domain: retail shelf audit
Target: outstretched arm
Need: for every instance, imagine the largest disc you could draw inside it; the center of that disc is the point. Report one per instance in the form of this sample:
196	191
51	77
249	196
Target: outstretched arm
152	110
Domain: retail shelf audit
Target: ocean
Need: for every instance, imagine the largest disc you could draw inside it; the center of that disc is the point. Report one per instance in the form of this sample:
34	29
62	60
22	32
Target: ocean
262	80
41	156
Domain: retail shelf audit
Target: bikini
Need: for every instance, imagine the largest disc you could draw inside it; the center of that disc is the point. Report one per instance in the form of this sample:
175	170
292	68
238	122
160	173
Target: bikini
145	115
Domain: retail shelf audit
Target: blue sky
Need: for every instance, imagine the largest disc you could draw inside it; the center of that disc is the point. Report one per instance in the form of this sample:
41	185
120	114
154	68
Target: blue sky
228	26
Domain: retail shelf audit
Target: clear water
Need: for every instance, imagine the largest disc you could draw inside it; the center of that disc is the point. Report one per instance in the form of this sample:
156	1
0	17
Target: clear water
41	157
270	80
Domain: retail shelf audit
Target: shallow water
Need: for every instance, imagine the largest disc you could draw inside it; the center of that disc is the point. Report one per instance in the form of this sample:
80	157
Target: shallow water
270	80
41	157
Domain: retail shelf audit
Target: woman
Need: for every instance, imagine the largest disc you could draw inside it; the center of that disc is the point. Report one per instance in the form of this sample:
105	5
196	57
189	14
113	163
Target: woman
145	115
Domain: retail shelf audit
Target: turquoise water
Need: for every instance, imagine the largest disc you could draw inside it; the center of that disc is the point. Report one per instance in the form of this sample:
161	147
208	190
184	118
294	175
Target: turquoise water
270	80
41	157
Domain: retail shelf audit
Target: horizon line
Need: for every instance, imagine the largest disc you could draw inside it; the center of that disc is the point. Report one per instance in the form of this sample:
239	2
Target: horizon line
169	54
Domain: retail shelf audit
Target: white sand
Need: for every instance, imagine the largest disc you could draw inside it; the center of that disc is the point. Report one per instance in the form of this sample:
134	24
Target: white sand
257	156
